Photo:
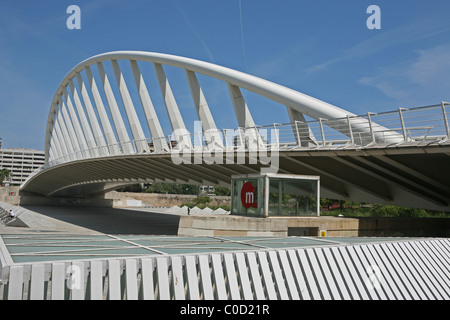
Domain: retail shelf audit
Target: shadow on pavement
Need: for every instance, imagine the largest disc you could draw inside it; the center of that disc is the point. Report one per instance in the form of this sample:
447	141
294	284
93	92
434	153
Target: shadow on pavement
113	220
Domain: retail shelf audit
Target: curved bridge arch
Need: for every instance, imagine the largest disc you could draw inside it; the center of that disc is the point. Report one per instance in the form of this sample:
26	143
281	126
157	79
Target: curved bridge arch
92	133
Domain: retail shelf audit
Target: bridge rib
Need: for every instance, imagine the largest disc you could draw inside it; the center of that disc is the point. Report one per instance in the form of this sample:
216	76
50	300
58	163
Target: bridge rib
243	116
133	120
60	135
159	141
404	183
76	124
176	120
93	121
401	167
70	130
86	129
213	138
55	139
300	125
367	188
206	175
119	125
156	171
104	121
162	165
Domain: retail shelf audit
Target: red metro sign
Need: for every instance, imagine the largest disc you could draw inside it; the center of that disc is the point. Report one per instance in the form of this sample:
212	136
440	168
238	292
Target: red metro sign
248	197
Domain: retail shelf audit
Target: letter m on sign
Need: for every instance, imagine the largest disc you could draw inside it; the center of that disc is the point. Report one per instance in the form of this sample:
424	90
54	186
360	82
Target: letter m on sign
248	196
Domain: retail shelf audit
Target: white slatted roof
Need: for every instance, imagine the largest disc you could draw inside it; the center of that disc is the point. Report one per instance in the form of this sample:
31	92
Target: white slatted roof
278	268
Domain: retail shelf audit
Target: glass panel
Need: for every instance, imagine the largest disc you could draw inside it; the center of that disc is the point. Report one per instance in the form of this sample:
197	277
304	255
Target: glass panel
248	196
235	196
292	197
274	197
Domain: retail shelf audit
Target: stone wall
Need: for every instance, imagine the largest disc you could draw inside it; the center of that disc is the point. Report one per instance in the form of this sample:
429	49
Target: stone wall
110	199
229	225
10	195
162	200
313	226
370	227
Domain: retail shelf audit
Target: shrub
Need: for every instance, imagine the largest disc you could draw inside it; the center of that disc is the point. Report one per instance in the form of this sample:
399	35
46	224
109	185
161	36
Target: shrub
201	200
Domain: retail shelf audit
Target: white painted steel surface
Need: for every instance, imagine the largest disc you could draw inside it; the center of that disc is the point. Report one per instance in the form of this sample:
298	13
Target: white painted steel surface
390	270
95	133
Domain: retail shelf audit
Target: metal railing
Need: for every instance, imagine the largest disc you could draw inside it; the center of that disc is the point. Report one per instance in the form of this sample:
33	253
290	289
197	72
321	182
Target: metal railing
413	126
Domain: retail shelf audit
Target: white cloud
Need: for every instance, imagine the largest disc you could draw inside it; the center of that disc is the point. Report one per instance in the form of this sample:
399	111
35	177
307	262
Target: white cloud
424	80
432	67
384	40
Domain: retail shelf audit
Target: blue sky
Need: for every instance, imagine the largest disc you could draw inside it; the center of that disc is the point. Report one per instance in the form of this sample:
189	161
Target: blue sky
322	48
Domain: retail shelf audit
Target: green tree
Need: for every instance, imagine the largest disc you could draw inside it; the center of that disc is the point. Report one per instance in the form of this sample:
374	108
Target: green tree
222	191
4	173
201	200
171	188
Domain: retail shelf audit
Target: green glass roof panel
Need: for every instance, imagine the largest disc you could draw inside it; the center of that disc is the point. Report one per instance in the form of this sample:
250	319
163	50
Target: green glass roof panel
194	250
352	240
52	237
244	238
164	238
25	249
49	247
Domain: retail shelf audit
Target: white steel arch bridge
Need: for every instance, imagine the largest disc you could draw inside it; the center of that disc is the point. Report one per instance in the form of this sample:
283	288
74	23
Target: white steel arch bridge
102	134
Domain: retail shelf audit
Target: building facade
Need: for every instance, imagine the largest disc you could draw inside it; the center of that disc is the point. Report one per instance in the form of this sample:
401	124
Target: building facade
21	162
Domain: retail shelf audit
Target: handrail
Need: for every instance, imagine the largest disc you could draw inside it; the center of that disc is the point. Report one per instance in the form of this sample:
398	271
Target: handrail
288	136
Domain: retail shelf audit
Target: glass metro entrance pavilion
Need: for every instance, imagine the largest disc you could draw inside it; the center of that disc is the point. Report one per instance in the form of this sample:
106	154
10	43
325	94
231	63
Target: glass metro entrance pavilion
275	195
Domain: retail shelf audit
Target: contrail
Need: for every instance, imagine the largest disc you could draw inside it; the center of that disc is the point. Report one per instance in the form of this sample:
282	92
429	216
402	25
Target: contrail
242	35
191	26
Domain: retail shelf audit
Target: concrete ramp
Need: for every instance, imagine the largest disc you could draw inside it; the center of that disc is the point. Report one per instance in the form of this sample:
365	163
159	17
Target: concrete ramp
17	220
26	218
